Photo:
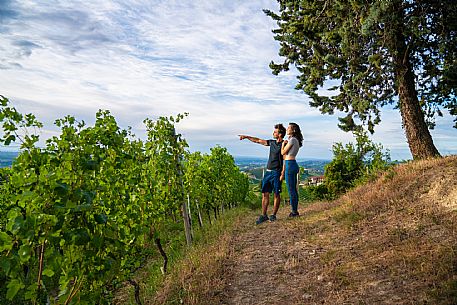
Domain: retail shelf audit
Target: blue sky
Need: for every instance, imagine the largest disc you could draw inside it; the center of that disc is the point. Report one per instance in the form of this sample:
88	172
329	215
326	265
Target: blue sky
150	58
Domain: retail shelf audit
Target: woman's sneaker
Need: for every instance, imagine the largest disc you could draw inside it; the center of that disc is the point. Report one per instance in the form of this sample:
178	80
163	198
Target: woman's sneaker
272	218
262	218
294	214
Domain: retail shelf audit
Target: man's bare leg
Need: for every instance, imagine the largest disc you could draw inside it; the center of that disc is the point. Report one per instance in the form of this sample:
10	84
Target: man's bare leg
277	202
265	202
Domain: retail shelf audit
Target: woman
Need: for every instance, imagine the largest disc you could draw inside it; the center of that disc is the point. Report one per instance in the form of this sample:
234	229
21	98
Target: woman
289	150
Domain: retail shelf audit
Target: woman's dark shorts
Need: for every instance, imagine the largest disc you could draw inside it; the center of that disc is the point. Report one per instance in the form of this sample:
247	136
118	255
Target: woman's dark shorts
271	183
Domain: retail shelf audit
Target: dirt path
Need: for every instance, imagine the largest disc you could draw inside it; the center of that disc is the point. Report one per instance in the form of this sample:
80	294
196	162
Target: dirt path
268	264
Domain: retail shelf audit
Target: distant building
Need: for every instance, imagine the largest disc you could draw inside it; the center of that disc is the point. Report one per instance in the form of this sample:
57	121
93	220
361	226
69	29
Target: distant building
316	180
251	176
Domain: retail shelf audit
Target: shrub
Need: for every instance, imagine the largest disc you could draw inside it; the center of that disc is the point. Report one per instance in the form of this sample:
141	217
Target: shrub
354	164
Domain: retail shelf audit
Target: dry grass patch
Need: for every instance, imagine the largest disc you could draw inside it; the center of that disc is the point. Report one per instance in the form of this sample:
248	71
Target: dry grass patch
199	277
391	241
402	236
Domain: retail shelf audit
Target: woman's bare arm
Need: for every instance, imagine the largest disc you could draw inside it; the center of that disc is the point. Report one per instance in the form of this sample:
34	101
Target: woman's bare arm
286	146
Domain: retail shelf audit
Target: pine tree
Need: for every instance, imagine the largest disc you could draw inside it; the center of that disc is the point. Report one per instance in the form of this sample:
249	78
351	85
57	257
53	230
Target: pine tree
378	53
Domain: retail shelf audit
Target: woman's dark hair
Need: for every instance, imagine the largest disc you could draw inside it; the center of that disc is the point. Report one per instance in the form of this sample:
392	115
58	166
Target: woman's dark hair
296	133
281	129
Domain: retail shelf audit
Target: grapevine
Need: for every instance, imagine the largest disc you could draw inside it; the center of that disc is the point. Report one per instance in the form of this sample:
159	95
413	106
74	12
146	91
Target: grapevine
78	213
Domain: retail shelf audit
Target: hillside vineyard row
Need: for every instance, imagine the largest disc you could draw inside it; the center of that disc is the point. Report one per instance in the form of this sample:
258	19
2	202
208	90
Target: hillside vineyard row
77	215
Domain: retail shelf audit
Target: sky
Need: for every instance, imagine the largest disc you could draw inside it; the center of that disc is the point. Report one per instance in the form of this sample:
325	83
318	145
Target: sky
142	59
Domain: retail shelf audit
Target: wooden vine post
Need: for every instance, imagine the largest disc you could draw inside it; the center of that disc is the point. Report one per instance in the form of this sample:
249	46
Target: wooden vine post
185	214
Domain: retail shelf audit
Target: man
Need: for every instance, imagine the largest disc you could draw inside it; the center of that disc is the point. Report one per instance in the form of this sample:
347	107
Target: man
274	173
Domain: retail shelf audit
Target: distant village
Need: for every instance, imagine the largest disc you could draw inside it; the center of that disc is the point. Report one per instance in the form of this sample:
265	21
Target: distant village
315	180
311	171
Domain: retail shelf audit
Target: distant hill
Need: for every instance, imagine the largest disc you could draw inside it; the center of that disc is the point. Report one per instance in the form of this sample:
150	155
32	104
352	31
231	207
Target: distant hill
244	163
7	157
255	166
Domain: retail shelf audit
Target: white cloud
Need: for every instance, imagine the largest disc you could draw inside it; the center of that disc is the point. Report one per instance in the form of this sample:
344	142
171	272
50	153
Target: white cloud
150	58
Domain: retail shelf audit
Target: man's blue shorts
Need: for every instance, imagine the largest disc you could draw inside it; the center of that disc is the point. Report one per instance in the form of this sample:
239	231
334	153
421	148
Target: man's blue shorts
270	182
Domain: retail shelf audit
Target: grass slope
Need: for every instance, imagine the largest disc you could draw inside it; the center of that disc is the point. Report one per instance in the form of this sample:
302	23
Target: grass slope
194	273
391	241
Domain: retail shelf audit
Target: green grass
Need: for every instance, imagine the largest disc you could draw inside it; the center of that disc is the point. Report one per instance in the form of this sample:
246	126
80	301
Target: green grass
151	278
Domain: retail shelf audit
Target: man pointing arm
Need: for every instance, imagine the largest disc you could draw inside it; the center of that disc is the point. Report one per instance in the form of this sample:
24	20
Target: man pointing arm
272	178
254	139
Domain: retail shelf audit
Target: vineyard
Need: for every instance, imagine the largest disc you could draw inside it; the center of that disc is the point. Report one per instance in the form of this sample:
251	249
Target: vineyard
77	214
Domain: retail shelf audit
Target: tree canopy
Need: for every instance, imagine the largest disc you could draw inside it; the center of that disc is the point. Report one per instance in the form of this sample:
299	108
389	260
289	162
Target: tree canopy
372	54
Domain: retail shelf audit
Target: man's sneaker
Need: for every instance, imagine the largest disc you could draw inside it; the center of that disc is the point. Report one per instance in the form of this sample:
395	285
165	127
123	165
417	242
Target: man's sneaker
272	218
294	214
262	218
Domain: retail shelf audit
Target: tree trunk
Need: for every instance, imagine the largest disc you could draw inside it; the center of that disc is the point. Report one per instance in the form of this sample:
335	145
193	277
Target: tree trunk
417	134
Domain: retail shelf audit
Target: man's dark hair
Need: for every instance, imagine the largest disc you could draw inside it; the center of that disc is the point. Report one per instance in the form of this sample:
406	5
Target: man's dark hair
281	129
